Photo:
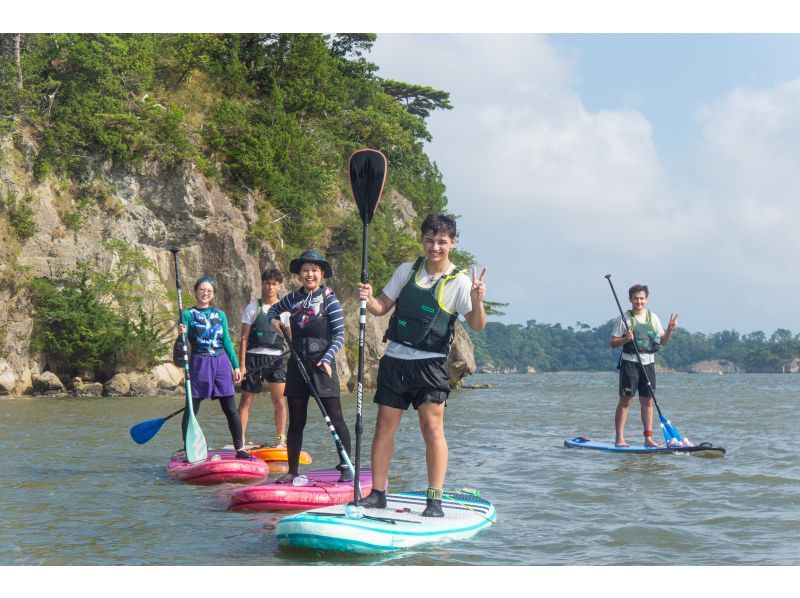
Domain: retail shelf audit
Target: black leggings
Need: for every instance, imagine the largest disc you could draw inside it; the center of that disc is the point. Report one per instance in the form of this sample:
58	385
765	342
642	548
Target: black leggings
228	405
298	413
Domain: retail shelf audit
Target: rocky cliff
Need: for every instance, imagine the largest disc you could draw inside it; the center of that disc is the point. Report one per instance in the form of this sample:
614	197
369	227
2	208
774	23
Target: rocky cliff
153	208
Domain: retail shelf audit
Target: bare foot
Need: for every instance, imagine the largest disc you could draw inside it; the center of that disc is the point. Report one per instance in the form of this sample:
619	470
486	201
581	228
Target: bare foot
621	443
651	443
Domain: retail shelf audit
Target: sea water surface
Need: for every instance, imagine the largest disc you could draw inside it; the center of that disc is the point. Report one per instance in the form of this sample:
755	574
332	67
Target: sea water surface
76	490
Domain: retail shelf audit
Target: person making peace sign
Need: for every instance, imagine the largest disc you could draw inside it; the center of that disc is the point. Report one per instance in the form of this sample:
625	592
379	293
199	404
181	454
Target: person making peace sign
428	295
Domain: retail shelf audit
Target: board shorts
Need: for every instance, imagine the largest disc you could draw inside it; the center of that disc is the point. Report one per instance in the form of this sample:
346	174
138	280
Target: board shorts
632	379
404	382
211	376
275	372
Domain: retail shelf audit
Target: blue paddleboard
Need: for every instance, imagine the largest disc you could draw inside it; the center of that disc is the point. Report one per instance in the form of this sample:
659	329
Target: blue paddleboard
704	449
400	525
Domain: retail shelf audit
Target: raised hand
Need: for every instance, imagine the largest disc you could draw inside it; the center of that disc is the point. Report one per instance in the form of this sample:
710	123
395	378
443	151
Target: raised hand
673	322
478	289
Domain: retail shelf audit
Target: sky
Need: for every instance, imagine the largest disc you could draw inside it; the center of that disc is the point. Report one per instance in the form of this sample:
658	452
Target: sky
667	160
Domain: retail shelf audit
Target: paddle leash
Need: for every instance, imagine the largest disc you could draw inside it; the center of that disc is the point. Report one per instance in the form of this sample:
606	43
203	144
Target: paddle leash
194	443
367	170
313	389
667	428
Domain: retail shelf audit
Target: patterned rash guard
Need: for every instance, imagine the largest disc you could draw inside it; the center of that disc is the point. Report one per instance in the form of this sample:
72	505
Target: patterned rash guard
207	331
305	308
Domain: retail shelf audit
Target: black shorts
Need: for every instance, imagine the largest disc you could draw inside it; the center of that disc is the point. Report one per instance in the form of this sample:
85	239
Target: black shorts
632	379
404	382
275	372
326	386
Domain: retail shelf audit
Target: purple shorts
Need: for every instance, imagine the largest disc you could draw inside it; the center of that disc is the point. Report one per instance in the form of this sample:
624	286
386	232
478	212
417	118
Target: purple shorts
211	376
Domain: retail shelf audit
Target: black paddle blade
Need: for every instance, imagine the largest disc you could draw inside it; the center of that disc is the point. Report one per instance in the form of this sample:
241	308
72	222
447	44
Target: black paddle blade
367	175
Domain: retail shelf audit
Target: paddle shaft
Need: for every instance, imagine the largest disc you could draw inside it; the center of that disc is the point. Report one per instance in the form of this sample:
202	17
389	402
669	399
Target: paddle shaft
635	347
304	373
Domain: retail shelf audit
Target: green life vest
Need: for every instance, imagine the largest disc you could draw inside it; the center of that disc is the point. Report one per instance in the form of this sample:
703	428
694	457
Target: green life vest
262	334
420	319
644	335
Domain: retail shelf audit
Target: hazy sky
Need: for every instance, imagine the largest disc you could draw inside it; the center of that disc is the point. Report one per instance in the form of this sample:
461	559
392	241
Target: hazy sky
671	160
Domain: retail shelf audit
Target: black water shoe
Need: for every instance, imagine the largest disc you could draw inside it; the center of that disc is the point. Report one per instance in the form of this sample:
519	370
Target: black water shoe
374	500
433	508
242	454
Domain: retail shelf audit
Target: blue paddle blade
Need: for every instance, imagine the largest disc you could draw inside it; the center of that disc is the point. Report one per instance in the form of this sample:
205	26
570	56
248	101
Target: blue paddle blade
669	430
144	431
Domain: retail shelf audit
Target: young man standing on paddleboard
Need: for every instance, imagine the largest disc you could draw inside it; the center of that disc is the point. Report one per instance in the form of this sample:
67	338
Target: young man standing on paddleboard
428	295
261	349
641	326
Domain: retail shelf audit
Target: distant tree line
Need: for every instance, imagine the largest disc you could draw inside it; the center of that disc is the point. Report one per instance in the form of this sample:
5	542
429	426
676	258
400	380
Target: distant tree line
553	347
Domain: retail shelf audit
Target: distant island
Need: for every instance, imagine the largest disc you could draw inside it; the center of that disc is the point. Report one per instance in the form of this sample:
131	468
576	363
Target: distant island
538	347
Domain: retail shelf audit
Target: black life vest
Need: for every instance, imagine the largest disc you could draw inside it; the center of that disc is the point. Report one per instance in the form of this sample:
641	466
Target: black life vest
420	319
262	334
314	338
644	335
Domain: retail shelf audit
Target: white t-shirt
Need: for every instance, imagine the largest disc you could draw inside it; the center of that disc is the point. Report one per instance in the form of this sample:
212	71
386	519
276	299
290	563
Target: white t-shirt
455	298
620	330
249	317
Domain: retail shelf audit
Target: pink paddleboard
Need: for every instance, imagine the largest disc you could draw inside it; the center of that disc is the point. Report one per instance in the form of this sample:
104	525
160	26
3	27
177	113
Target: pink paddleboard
220	467
322	490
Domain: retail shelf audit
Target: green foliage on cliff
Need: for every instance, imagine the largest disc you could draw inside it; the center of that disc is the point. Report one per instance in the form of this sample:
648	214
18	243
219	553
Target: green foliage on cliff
96	318
552	347
276	114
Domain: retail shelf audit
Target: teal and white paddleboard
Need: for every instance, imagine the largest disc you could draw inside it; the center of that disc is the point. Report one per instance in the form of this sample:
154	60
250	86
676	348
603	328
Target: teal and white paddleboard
344	528
704	449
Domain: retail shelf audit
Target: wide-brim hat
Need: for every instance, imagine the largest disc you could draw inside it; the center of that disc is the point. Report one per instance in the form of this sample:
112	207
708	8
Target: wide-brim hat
313	257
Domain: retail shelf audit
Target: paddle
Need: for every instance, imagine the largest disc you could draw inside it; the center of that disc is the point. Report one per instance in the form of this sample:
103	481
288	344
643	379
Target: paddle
667	428
367	176
144	431
339	446
194	442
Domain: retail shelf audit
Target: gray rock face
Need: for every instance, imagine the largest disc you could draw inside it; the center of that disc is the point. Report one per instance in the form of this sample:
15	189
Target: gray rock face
714	366
118	386
152	209
47	383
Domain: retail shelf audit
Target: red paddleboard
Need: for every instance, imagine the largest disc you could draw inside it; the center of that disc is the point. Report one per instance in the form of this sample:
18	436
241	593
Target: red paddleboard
220	467
321	490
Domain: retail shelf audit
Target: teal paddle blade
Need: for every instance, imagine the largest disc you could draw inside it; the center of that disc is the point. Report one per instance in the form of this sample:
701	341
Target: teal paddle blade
196	448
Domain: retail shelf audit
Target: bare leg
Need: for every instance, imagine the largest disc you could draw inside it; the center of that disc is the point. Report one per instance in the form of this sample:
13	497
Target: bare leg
647	419
278	408
244	410
620	417
431	424
383	445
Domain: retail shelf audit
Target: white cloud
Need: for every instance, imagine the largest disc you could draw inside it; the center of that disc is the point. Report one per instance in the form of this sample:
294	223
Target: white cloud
574	193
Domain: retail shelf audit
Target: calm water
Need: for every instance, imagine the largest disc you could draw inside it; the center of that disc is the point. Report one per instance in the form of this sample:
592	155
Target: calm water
77	491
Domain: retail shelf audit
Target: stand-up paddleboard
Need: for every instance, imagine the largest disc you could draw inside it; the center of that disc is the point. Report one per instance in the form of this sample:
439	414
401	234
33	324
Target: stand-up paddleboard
704	449
319	489
220	467
276	458
345	528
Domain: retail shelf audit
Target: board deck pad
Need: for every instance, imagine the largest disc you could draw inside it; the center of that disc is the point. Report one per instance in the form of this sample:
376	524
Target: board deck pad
704	449
400	525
